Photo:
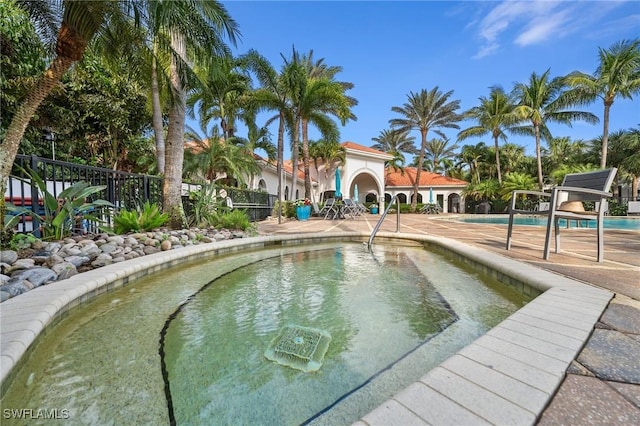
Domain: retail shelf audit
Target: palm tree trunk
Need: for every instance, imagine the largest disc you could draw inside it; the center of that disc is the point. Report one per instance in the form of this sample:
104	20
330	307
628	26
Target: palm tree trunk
605	135
416	184
495	139
280	161
538	156
172	186
158	127
305	159
294	158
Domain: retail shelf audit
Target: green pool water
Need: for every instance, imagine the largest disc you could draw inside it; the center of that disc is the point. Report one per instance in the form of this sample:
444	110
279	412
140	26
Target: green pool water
188	344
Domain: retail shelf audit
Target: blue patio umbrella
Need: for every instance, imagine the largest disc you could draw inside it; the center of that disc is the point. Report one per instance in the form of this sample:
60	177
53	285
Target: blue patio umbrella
430	195
338	193
355	193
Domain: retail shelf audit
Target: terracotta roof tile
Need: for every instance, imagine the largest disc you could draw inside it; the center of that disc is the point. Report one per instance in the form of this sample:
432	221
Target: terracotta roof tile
358	147
394	178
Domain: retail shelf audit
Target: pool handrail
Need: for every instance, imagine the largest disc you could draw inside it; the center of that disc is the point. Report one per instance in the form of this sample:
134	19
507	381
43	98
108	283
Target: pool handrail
384	214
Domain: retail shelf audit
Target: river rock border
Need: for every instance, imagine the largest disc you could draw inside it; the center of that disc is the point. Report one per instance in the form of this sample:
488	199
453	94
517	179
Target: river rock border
46	262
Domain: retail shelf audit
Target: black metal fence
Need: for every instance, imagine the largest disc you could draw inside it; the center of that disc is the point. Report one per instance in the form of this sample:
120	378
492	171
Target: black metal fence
123	190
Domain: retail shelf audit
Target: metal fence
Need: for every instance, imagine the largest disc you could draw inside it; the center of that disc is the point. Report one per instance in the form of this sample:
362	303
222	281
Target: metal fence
122	189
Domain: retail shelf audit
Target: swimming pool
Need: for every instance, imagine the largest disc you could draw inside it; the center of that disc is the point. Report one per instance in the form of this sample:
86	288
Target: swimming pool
102	362
625	223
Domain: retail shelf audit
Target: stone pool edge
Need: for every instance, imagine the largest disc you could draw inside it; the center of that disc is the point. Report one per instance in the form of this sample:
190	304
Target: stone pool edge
489	381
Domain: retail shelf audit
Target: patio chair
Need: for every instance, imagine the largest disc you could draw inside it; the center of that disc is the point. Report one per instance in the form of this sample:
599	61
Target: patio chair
566	203
328	208
350	208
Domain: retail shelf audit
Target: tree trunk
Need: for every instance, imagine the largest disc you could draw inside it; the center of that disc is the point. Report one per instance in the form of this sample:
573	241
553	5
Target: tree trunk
538	156
495	139
280	161
172	187
416	184
305	159
294	159
605	135
158	127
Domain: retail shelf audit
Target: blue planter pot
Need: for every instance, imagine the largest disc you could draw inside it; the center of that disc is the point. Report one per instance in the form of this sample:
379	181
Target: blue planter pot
303	212
374	210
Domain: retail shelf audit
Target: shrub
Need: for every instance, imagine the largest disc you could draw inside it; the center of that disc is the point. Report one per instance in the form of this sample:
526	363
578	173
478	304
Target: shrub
61	211
22	241
234	219
145	218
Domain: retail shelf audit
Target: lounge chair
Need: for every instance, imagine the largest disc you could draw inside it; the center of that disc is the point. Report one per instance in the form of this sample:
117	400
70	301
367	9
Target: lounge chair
328	208
350	208
576	188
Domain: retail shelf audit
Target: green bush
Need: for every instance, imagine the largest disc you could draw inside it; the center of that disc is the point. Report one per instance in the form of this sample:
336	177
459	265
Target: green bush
234	219
62	211
22	241
145	218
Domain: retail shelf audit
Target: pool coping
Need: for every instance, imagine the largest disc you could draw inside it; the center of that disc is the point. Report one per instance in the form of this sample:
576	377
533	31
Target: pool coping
509	375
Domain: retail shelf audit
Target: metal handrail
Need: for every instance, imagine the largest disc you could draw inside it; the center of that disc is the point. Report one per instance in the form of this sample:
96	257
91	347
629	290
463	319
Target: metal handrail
377	227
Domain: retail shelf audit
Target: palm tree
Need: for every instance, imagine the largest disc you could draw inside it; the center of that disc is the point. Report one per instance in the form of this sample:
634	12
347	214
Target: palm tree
517	182
512	156
439	152
424	111
472	155
395	142
273	95
541	101
625	155
212	157
494	115
220	97
328	153
618	74
321	98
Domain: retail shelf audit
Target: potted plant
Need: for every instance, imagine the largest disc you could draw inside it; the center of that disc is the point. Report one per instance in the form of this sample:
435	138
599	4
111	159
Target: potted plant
303	208
373	208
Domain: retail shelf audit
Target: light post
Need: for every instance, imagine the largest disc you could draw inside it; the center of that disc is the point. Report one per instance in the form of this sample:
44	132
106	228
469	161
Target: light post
49	137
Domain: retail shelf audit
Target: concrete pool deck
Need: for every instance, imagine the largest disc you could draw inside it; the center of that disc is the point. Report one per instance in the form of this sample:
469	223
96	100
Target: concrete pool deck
571	356
515	374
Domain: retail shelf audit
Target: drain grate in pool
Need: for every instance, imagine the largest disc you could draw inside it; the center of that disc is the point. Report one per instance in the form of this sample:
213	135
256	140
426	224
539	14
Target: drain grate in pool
299	347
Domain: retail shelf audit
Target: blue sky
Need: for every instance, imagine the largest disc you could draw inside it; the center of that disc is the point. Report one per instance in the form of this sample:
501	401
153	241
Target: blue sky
388	49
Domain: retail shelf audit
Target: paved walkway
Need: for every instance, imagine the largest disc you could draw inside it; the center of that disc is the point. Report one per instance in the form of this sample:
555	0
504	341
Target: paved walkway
602	385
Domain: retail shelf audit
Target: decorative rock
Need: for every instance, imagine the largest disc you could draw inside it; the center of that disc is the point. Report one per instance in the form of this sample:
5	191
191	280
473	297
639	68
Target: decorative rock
151	250
77	261
87	252
102	260
64	270
8	256
37	276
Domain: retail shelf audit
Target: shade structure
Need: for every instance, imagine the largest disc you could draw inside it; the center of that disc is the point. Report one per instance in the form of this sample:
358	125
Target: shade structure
430	195
355	193
338	193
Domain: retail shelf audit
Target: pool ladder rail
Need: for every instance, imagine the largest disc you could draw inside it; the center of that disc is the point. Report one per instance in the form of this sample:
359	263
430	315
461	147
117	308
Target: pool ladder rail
384	214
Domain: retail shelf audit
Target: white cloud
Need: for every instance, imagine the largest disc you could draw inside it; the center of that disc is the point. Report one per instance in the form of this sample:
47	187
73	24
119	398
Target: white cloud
525	23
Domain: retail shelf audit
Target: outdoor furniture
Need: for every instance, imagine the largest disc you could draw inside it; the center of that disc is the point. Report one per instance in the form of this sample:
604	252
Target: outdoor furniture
566	203
329	208
350	207
431	208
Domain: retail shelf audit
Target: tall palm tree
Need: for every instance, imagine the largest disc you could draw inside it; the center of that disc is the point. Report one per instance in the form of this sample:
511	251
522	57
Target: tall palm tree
494	116
512	156
439	153
540	101
423	111
272	95
393	141
321	98
472	155
617	75
225	84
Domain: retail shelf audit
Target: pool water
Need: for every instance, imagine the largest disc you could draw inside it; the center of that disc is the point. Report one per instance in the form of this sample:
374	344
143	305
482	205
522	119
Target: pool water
392	316
609	222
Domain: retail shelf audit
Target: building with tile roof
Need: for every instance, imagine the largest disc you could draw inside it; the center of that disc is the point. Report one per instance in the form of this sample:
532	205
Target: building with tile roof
364	174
